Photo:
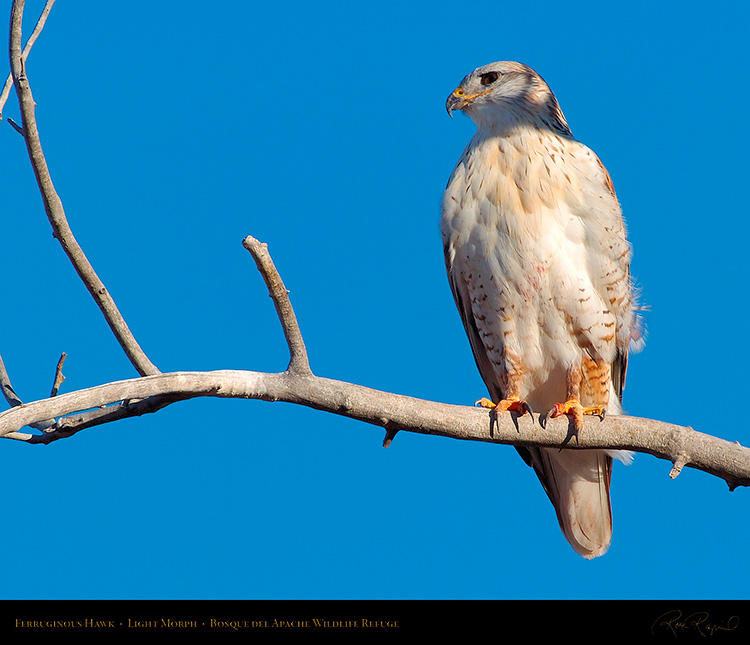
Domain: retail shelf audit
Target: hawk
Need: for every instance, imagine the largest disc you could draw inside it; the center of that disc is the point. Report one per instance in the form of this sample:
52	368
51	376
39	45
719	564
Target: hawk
539	265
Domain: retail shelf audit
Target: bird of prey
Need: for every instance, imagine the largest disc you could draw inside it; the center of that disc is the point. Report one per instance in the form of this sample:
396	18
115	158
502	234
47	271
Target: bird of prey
539	265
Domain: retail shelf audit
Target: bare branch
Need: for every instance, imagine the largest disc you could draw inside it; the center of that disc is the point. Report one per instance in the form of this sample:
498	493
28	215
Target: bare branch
69	425
25	54
681	445
298	361
14	400
59	377
54	208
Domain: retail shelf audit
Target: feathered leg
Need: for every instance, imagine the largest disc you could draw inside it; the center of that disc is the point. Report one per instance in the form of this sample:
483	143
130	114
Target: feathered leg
510	379
595	388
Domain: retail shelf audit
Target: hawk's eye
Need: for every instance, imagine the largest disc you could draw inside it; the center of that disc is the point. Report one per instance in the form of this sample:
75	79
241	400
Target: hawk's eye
489	78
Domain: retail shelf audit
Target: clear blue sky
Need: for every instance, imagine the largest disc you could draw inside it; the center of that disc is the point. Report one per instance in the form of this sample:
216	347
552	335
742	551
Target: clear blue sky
173	130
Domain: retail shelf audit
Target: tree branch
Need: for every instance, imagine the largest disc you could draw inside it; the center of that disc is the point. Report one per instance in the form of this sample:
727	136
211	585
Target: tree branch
54	208
59	376
25	54
298	361
681	445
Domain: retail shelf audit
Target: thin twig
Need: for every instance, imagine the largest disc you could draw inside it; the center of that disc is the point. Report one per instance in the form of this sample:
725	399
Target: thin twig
8	392
298	360
25	54
59	377
54	208
15	126
14	400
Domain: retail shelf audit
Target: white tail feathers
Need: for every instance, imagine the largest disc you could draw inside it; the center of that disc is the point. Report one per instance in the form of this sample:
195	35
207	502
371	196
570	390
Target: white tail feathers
577	483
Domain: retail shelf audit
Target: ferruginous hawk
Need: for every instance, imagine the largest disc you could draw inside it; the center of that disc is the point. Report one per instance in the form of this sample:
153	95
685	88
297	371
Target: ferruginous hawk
539	264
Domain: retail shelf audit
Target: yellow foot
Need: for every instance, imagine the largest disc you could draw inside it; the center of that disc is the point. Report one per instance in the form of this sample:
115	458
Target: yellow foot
512	405
574	409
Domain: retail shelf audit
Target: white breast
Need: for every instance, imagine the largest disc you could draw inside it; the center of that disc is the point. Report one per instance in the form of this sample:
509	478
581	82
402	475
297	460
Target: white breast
533	237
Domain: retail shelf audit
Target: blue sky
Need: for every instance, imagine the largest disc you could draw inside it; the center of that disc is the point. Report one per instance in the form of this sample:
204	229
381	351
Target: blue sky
173	130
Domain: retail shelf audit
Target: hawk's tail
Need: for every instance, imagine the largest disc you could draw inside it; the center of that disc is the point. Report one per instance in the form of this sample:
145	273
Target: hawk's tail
577	483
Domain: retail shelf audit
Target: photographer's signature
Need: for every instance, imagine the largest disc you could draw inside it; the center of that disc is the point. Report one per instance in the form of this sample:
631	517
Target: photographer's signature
699	622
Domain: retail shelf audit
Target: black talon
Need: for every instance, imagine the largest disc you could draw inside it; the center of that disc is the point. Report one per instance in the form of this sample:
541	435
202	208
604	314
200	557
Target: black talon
544	417
572	433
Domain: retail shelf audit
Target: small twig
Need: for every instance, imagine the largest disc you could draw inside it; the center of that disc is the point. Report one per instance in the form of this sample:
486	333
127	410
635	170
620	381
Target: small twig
56	212
390	434
14	400
25	54
8	392
59	377
679	463
298	360
15	126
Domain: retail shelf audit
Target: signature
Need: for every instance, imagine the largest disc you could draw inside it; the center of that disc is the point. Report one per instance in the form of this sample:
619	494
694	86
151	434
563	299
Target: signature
673	622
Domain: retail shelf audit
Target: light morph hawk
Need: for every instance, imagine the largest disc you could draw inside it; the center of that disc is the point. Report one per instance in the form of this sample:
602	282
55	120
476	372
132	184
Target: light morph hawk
538	262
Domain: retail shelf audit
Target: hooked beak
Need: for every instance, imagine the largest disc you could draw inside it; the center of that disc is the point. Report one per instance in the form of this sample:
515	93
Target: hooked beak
459	99
456	101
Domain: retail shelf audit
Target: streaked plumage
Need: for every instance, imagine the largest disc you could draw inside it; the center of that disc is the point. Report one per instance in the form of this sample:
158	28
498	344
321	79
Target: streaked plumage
538	262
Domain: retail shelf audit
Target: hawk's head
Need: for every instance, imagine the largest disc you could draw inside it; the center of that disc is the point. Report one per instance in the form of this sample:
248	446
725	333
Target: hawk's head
506	91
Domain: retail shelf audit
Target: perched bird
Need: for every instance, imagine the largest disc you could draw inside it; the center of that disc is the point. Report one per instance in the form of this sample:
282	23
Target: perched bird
539	265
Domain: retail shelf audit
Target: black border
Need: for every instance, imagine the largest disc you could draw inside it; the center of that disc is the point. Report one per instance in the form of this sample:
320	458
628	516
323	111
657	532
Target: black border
714	621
